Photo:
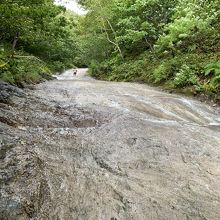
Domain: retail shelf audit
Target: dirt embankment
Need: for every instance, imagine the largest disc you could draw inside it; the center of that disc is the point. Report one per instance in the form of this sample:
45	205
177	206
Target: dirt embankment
77	148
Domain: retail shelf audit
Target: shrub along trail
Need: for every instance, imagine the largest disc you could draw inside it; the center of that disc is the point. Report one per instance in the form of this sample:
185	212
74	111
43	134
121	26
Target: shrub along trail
77	148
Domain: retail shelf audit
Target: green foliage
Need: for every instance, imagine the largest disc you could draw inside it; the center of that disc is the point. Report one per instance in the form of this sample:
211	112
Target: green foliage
25	68
172	42
7	77
40	30
212	68
57	66
130	71
160	73
185	77
192	22
99	70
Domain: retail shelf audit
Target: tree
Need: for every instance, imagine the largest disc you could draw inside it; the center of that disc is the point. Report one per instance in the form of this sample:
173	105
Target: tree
36	30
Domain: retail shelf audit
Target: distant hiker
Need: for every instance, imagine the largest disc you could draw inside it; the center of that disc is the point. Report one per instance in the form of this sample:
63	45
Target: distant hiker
74	72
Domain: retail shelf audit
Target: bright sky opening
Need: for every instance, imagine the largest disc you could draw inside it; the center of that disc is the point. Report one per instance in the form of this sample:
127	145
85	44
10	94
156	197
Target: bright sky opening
71	5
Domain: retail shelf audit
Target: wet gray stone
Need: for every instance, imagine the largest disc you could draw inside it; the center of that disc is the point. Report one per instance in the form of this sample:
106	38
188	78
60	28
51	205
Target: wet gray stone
7	90
89	150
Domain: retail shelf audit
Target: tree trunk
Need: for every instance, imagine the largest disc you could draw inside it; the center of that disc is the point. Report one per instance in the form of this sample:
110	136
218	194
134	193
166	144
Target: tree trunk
15	43
151	47
108	38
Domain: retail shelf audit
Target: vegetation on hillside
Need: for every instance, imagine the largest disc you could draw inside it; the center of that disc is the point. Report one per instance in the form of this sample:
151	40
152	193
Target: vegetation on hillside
37	38
175	43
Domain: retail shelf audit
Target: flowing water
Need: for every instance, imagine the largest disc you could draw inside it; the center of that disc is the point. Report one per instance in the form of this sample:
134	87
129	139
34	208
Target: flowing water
111	151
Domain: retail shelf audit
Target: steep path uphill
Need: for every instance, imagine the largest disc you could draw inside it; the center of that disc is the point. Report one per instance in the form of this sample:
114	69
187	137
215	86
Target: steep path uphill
77	148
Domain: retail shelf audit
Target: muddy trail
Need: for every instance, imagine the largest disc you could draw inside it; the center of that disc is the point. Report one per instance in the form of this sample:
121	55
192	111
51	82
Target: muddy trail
81	149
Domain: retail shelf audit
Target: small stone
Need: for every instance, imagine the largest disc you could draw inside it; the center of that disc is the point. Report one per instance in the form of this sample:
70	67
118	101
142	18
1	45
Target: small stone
22	128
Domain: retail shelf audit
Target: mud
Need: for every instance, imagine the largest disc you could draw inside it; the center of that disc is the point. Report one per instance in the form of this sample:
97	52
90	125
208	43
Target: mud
77	148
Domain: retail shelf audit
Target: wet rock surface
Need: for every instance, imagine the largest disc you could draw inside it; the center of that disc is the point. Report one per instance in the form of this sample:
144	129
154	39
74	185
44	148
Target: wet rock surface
6	91
76	148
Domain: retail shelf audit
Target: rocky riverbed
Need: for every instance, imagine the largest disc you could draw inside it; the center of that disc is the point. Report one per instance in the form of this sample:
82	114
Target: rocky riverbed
77	148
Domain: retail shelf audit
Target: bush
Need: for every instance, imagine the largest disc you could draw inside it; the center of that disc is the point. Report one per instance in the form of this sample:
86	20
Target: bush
23	68
212	71
99	70
57	66
185	77
162	72
212	68
128	71
7	77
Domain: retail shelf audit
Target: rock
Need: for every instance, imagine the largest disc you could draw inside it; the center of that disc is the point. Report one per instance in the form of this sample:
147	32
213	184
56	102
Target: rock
7	90
73	155
4	96
11	209
47	76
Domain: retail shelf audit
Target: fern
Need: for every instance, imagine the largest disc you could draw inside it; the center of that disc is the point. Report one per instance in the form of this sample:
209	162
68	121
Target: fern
212	68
